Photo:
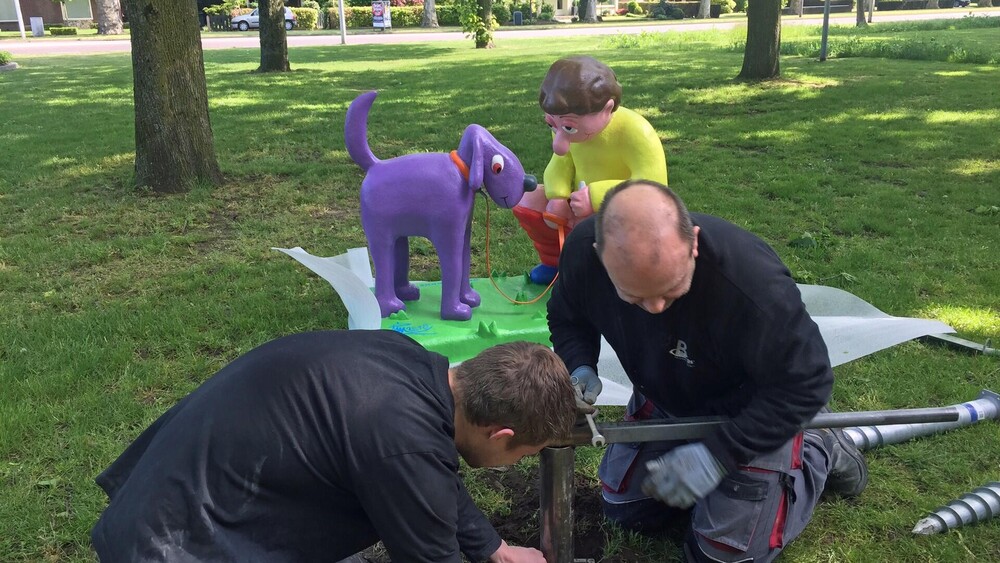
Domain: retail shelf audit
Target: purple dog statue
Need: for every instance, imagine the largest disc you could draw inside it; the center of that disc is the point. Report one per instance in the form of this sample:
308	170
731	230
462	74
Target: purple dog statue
429	195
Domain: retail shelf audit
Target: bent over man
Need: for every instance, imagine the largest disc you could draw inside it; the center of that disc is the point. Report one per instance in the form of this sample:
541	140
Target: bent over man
313	447
706	320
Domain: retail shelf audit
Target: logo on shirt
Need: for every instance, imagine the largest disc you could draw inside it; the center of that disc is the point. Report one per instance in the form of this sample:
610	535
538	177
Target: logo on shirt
681	353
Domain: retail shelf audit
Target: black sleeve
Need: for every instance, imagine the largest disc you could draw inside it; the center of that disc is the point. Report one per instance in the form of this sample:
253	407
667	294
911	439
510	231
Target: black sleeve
785	356
413	501
476	537
573	336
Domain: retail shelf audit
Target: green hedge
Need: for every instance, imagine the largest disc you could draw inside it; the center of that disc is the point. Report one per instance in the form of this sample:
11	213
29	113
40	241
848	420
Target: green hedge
885	5
62	30
305	18
5	57
402	16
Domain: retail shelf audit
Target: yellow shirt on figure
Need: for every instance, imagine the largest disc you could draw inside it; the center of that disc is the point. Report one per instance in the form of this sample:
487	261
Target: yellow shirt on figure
627	148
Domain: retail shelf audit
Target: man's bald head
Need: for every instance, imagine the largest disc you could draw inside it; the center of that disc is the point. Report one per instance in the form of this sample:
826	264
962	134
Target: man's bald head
638	211
645	239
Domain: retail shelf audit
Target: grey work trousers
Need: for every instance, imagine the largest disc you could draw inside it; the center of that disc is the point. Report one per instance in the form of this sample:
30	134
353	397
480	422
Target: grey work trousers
751	516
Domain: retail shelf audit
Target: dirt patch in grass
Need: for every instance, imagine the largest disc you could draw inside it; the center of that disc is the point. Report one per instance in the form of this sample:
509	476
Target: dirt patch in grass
520	526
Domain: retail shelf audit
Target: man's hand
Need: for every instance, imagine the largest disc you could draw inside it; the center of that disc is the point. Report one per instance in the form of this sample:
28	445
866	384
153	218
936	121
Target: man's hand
683	475
585	379
513	554
579	202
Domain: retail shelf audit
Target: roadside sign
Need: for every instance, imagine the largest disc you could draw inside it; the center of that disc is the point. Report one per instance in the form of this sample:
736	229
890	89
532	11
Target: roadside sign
381	18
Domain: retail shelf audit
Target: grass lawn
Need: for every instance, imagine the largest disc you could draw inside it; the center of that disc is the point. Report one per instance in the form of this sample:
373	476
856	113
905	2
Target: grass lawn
114	303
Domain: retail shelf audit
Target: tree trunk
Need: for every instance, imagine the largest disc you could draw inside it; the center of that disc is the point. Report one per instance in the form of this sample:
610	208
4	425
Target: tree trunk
487	15
273	39
704	9
760	58
591	12
108	16
173	134
796	6
430	18
862	20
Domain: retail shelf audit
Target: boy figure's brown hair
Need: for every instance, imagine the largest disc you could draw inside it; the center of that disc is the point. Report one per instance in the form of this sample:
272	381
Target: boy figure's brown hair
580	85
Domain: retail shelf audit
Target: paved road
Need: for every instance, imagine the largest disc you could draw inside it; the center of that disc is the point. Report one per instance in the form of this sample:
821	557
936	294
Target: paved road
226	41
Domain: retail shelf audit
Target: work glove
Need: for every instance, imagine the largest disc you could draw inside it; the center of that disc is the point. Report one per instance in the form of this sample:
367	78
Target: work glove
683	475
583	408
585	379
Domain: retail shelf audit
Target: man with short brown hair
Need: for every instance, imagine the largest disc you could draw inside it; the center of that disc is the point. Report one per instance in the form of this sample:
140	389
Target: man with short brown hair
314	446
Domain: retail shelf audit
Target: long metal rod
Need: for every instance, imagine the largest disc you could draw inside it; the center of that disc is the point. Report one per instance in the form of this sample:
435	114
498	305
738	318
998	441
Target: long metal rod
556	496
557	463
689	428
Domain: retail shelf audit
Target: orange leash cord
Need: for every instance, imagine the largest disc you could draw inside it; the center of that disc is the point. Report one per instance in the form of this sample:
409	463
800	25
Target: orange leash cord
562	237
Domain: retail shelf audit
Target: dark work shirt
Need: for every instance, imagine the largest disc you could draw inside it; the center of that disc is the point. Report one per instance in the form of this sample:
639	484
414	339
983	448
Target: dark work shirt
738	344
308	448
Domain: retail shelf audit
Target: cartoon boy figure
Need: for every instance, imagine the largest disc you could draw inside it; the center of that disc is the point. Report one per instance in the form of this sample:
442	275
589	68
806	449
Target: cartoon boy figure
597	144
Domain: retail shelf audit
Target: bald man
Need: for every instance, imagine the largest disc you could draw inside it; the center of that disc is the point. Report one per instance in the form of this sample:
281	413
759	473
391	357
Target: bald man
706	320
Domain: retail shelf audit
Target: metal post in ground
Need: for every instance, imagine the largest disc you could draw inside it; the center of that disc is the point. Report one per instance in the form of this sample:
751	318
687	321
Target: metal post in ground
556	495
826	30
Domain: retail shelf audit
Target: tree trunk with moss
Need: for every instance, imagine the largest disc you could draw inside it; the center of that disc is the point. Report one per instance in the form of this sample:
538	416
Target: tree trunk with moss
486	13
108	15
174	148
760	57
588	11
273	38
430	17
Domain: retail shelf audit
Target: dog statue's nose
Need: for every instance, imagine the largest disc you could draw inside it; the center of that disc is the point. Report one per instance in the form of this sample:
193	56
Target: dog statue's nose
530	183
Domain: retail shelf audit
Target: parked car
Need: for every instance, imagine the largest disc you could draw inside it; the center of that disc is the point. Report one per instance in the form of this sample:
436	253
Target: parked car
252	20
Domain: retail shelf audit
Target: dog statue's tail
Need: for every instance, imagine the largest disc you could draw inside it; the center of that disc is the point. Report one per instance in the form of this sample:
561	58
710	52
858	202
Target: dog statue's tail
356	131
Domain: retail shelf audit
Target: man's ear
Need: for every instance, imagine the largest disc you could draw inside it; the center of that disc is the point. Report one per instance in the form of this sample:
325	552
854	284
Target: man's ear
498	432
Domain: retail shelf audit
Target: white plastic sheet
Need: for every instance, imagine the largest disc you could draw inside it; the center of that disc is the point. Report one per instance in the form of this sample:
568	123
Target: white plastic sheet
851	327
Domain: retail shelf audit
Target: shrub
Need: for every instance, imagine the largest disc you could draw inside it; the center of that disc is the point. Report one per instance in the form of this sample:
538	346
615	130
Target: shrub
447	15
727	6
5	57
664	10
635	8
226	7
356	17
63	31
501	12
741	5
546	12
305	18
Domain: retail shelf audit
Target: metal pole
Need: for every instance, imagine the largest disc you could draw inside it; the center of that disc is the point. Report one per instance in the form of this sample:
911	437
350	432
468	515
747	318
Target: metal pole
20	18
871	10
986	407
826	30
690	428
556	464
556	494
343	25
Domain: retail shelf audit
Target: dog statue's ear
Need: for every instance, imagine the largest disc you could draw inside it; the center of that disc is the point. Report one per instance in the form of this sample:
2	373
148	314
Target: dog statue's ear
476	164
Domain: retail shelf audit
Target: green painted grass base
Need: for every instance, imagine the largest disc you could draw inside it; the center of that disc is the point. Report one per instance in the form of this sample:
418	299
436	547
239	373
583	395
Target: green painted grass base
495	321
